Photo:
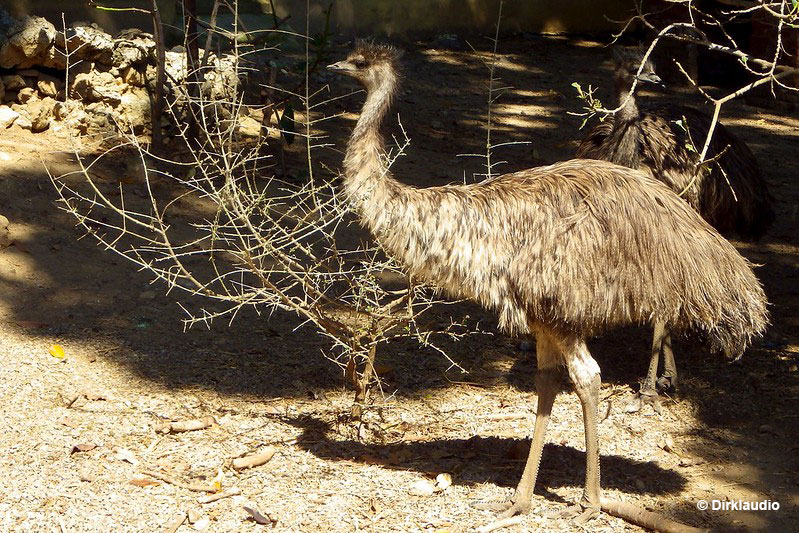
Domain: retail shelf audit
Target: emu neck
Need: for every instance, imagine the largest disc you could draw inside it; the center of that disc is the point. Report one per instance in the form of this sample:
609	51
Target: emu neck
623	91
365	171
625	136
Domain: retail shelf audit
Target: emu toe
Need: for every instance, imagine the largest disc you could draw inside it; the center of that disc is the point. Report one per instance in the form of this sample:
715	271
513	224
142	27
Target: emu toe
579	513
644	397
666	383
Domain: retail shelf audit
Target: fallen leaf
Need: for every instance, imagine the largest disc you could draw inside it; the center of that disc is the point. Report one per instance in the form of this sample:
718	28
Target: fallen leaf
350	374
125	455
69	422
85	447
142	482
258	517
194	515
31	324
374	505
21	247
57	351
94	396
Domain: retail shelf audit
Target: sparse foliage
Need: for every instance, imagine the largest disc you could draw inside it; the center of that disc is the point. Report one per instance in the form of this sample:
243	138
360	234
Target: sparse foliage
266	242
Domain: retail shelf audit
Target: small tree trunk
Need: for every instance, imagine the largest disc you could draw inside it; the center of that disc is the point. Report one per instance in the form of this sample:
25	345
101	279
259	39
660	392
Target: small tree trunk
160	78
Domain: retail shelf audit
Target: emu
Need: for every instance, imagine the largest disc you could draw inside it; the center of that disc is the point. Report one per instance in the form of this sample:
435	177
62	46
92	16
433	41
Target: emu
664	142
563	252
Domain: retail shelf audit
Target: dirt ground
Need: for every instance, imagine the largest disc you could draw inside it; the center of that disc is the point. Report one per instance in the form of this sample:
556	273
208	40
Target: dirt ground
730	433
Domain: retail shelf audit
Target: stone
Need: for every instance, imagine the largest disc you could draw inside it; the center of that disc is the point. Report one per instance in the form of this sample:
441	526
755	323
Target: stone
27	41
26	95
249	127
134	109
54	58
2	90
23	121
41	111
10	96
13	82
5	234
97	87
7	116
132	47
133	77
47	88
86	41
98	118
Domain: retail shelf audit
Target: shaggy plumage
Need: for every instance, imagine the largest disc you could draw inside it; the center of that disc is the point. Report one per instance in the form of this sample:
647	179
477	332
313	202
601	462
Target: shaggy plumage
665	140
564	251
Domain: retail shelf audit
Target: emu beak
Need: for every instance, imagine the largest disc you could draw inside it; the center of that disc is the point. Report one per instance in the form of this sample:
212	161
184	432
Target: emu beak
651	78
341	66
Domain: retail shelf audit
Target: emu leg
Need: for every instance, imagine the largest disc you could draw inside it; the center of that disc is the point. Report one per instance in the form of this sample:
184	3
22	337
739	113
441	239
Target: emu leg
584	373
648	393
589	398
667	381
547	382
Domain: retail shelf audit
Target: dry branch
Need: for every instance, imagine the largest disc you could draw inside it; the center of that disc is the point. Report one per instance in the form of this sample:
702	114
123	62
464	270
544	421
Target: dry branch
258	459
646	519
234	491
185	425
178	483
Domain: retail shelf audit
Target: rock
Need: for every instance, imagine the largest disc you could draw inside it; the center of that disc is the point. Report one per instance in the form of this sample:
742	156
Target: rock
86	41
2	90
134	109
10	96
41	111
249	127
63	110
26	95
47	88
54	58
23	121
7	116
27	41
97	118
175	65
132	47
5	236
133	77
13	82
97	87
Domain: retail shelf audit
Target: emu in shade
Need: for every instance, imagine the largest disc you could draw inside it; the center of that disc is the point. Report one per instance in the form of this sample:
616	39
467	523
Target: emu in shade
664	141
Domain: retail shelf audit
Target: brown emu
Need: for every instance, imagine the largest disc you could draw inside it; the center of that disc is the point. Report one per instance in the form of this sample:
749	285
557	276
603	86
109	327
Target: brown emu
563	252
664	141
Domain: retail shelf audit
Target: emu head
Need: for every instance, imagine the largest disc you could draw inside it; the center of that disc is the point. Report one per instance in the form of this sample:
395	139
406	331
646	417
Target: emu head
627	62
369	63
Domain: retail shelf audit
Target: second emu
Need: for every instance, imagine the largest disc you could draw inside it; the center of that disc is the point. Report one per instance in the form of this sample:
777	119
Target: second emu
564	252
664	141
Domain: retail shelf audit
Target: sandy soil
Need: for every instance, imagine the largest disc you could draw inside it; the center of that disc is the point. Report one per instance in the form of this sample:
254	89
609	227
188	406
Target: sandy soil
730	433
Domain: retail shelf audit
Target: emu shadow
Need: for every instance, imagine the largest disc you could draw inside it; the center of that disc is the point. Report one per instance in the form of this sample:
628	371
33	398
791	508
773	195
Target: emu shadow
489	459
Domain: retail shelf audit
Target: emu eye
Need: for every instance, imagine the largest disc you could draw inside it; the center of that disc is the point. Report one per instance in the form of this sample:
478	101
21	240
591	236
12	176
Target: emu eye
360	63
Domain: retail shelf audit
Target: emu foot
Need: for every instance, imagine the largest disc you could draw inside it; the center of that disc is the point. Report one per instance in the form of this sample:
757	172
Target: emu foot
579	512
506	508
511	513
644	397
666	383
